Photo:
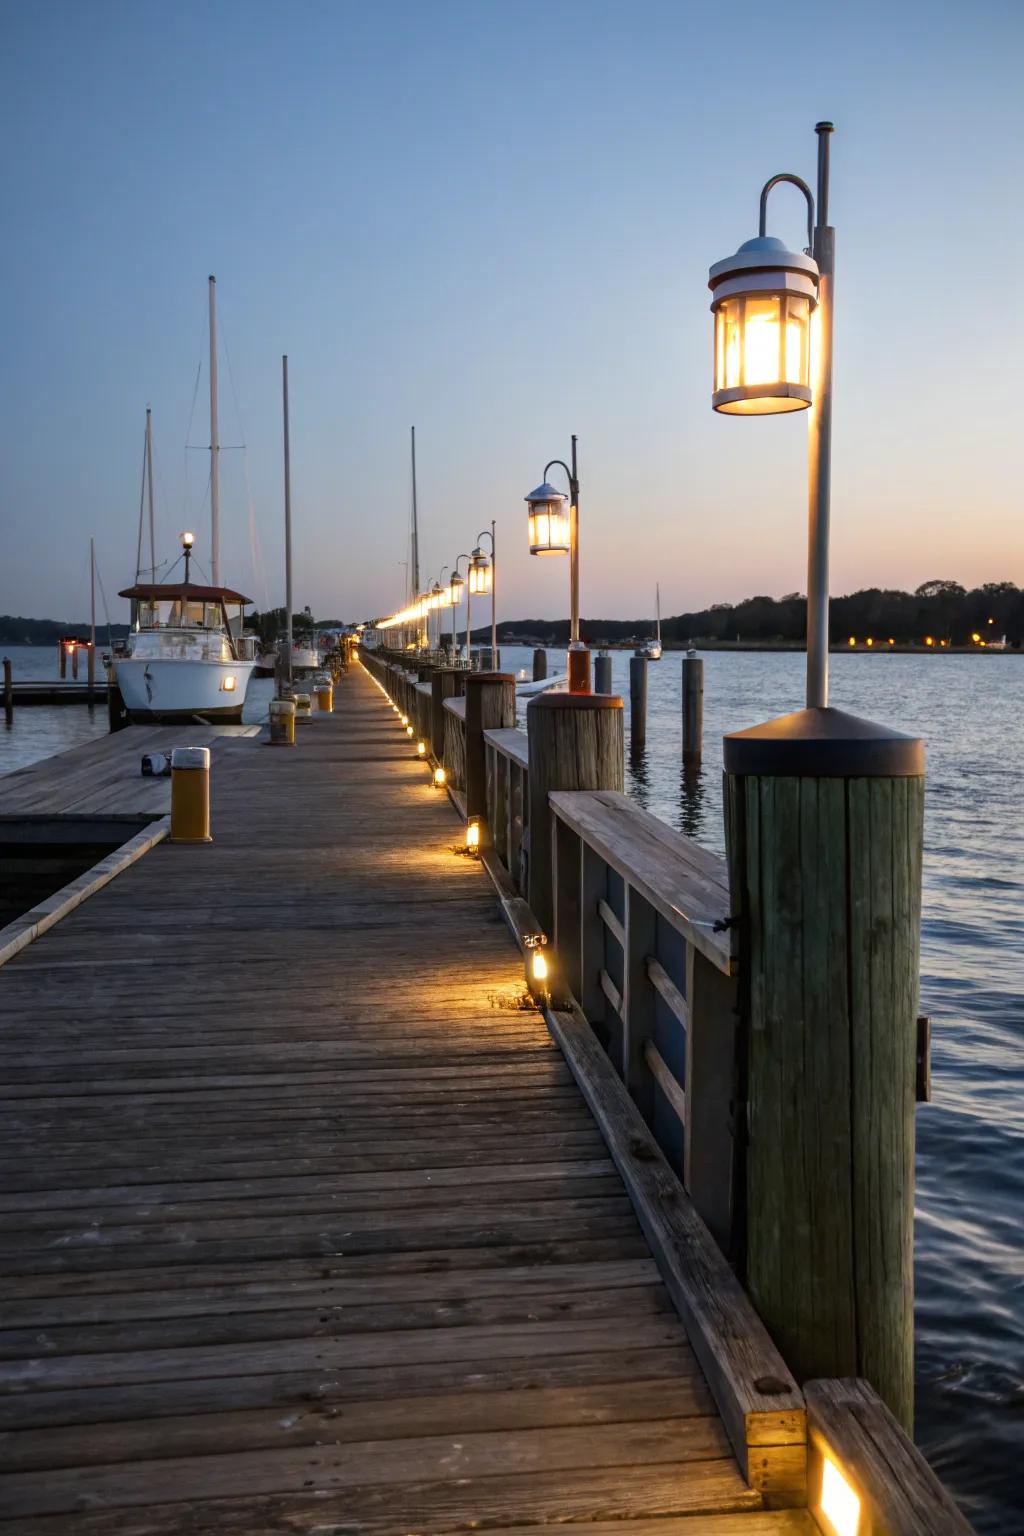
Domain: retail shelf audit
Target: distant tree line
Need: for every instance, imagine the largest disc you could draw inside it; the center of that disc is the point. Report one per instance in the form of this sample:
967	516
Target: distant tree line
943	610
18	631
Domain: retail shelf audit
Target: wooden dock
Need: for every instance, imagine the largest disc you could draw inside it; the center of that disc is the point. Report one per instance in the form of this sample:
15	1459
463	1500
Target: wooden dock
307	1226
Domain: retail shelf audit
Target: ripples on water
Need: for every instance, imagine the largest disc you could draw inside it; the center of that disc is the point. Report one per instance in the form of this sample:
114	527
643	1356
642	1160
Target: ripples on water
970	1163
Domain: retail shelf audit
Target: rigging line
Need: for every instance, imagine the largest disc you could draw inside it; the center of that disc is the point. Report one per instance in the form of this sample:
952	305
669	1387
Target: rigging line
188	430
106	610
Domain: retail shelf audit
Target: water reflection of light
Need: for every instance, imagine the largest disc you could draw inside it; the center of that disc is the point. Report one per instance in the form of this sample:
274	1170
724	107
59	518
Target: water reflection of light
692	797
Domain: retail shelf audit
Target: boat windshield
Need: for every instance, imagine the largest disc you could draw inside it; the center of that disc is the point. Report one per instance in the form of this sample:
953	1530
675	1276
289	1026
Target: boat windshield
178	613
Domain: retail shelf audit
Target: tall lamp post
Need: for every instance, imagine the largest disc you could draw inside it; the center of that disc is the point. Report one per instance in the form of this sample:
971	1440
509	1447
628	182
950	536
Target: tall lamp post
825	811
554	530
458	582
770	358
483	578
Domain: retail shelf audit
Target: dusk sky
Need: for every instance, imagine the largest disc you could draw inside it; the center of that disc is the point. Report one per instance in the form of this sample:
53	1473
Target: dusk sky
494	220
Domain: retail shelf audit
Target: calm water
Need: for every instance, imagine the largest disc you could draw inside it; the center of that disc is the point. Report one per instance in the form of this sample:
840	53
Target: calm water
970	1167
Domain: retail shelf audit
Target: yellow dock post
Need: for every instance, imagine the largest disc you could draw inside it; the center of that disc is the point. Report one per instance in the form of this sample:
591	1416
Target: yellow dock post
190	795
303	706
282	722
325	698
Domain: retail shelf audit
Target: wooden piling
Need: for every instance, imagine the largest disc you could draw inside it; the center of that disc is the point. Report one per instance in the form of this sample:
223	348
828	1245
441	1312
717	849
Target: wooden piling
825	830
693	708
445	683
62	658
540	665
575	742
602	673
637	700
490	705
8	691
91	672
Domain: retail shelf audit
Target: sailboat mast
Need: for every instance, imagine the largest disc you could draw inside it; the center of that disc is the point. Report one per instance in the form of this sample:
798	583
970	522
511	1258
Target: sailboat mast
414	566
287	673
92	616
214	444
657	604
149	481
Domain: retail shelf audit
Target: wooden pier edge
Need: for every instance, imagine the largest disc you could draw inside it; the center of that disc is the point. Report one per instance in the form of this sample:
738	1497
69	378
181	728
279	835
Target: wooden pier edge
17	935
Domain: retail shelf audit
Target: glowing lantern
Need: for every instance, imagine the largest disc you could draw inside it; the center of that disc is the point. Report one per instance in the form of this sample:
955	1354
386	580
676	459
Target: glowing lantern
440	778
421	748
548	521
481	576
473	834
409	730
763	298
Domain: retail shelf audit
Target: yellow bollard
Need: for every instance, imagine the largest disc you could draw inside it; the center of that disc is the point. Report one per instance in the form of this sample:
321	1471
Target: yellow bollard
303	707
190	795
325	698
282	722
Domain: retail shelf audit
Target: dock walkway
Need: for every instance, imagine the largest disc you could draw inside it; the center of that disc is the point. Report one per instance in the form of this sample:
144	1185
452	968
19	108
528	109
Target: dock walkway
306	1226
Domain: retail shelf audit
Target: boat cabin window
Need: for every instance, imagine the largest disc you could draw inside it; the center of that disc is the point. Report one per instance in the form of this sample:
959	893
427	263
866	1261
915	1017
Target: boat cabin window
179	613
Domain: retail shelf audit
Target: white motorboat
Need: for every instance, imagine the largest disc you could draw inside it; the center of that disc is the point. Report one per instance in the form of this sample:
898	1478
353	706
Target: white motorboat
183	657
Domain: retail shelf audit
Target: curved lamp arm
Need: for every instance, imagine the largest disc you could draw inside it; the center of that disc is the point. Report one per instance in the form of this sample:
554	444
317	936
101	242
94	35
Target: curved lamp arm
486	534
794	181
574	485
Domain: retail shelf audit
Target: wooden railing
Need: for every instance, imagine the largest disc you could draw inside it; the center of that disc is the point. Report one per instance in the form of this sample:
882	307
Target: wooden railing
455	742
643	946
508	801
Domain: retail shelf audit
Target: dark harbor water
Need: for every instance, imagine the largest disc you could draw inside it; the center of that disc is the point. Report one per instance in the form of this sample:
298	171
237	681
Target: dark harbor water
970	1165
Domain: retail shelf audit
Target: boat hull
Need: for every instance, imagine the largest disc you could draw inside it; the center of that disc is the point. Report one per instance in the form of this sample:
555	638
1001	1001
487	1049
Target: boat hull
156	690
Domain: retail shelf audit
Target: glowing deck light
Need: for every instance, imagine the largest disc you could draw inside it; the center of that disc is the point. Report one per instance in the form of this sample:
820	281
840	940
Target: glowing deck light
421	747
409	730
839	1504
539	965
869	641
473	834
440	778
928	640
976	638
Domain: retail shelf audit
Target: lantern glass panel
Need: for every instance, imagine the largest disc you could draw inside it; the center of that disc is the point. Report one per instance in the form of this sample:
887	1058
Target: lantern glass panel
549	528
480	578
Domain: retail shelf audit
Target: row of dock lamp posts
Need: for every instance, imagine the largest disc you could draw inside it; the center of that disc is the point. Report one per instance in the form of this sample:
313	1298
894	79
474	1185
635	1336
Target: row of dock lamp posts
772	318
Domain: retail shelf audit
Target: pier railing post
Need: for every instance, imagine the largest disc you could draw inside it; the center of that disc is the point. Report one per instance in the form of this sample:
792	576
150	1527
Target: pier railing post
693	708
575	742
490	705
637	701
825	829
602	673
445	683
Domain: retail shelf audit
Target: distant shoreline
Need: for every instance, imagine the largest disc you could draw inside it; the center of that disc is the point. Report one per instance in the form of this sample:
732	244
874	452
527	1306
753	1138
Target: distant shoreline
680	648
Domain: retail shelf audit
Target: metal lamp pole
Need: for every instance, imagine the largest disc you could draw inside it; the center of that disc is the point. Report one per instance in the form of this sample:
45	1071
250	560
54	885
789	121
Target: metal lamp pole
489	534
455	572
579	673
819	443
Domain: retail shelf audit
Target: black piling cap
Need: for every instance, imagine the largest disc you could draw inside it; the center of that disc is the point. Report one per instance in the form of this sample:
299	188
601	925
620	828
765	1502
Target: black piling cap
824	744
